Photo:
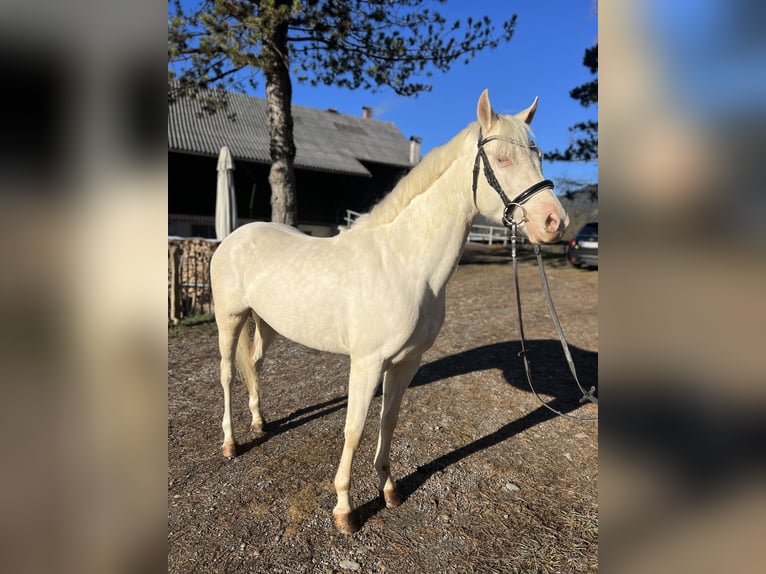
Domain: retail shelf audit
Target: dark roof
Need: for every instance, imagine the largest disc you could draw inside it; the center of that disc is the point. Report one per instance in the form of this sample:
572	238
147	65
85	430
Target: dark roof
324	140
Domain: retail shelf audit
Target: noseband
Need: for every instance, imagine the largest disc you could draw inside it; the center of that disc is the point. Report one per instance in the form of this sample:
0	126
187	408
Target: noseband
519	200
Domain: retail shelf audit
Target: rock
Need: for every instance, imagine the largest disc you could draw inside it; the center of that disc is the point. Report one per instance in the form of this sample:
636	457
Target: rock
350	565
510	487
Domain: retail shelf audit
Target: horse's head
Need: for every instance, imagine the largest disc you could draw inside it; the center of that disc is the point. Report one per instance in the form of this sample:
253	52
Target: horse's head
508	178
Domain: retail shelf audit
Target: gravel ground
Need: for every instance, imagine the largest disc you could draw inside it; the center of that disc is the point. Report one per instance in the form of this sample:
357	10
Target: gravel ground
491	480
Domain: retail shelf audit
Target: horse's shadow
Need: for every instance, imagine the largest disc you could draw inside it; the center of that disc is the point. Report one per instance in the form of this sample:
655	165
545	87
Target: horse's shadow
550	375
293	420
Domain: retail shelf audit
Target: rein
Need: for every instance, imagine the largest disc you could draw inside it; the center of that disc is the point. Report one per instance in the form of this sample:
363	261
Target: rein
512	225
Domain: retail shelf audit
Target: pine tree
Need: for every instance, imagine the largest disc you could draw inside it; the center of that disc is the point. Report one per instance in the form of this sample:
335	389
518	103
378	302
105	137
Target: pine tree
369	44
584	146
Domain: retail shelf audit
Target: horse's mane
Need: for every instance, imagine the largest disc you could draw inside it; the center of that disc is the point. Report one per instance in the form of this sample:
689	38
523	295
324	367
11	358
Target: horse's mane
420	178
423	175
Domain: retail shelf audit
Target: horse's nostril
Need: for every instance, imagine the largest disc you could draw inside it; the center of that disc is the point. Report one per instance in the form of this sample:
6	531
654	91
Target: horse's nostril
552	222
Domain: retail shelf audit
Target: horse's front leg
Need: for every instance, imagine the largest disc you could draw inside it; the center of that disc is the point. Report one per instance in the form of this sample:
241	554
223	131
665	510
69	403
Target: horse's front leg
395	382
363	381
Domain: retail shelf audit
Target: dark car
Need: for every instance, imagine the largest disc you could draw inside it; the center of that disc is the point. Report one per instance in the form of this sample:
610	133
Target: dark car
582	250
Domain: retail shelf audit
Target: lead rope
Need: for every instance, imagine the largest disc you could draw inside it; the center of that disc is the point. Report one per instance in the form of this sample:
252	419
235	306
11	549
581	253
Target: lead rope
511	223
587	395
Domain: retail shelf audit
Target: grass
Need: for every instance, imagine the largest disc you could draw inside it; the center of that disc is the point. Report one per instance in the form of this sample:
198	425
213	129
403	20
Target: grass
195	320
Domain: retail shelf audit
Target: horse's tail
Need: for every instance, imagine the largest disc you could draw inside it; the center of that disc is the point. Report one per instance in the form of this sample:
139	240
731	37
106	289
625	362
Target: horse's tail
245	352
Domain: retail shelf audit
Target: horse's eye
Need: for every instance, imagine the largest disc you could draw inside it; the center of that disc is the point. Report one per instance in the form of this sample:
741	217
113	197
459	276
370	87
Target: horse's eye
503	160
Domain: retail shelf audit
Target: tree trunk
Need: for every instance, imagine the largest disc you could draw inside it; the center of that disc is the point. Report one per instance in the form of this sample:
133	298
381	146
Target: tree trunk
279	95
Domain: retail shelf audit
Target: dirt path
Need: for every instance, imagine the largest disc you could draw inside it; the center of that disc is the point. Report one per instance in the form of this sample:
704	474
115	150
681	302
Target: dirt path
492	481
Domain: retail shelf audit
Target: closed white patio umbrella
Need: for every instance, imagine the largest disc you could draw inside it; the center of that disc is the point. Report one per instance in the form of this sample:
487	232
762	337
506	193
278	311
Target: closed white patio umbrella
225	202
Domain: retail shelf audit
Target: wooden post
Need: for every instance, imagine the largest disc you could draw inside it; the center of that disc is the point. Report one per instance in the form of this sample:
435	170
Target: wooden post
195	281
175	283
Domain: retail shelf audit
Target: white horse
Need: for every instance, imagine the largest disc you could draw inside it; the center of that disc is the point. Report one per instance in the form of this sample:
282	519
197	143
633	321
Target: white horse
376	291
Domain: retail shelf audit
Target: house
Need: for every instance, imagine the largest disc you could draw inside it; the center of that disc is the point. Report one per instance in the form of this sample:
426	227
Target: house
342	162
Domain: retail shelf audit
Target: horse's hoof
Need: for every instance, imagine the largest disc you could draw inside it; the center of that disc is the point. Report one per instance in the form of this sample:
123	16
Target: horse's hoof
345	523
392	498
229	450
258	428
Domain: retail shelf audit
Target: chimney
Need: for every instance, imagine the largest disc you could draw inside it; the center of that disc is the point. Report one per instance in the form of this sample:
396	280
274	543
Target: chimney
366	112
415	150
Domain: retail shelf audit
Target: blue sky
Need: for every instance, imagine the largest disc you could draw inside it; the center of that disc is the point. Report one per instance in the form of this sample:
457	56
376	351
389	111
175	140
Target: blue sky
544	59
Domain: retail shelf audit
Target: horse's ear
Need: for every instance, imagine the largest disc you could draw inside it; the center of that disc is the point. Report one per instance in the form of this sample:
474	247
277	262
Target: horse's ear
527	115
484	112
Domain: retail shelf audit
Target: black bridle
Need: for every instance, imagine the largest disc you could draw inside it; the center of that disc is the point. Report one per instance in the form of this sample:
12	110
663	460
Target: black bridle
516	202
512	225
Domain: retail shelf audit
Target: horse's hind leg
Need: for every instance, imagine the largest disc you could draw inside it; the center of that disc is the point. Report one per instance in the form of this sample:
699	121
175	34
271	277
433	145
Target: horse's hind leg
250	361
363	381
395	382
229	327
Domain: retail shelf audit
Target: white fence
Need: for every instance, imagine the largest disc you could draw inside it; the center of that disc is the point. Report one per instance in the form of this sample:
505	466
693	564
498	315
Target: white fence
351	217
489	234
